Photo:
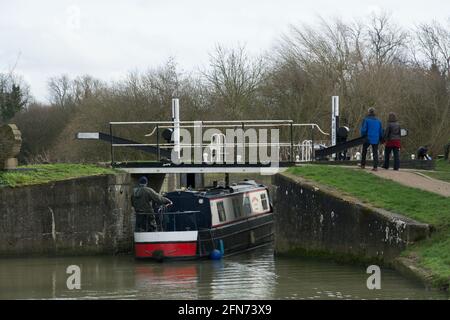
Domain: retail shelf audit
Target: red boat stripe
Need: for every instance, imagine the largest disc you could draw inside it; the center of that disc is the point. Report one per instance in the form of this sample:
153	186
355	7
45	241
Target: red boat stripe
178	249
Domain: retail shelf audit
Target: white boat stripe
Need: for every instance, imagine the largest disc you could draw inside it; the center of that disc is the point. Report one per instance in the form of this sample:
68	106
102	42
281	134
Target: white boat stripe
165	236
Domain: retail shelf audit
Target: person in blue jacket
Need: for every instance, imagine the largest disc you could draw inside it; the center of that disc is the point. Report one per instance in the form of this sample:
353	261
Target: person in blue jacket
373	130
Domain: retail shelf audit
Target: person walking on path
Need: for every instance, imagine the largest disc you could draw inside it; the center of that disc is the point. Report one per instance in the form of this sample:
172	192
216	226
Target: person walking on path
373	130
392	139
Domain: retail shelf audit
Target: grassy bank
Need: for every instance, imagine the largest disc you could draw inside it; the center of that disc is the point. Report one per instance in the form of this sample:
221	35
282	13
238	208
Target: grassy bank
432	254
442	171
36	174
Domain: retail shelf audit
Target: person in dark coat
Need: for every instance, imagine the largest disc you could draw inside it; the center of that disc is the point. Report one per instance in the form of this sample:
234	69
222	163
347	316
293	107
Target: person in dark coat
392	139
373	130
422	153
142	200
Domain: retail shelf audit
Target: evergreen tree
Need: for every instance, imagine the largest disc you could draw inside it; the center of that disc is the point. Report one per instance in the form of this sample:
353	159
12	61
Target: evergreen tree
11	101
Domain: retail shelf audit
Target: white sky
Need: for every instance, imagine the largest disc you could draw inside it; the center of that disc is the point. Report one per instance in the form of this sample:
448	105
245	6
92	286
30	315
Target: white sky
106	39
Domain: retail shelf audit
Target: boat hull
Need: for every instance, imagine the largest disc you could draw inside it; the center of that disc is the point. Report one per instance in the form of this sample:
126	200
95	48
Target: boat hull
237	236
231	238
162	245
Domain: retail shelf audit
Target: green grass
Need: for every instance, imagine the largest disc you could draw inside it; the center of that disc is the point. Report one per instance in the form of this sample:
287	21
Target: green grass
415	203
442	171
432	254
37	174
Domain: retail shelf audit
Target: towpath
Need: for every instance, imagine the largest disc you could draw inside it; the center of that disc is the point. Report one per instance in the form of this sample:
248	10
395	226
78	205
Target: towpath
415	179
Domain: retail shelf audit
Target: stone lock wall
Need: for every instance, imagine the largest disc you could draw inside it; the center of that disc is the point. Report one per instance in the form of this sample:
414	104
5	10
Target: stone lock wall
90	215
317	219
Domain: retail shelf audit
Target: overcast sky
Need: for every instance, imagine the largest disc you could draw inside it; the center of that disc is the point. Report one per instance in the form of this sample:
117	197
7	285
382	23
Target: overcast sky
107	38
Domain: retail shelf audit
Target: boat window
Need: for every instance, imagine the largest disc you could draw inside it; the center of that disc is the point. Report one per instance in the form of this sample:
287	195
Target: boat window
236	207
264	201
177	222
247	206
221	211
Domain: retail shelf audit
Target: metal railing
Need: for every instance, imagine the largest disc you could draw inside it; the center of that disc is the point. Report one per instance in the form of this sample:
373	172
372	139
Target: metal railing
177	221
289	150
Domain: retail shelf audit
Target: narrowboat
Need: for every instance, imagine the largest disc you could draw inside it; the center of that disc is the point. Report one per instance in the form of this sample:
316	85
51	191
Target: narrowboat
212	222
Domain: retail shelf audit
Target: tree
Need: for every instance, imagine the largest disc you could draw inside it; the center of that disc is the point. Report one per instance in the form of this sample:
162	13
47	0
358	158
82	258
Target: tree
386	40
434	43
233	79
61	91
12	97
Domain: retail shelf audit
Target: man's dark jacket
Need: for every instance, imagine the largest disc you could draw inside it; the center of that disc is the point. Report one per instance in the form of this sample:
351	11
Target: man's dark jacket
143	198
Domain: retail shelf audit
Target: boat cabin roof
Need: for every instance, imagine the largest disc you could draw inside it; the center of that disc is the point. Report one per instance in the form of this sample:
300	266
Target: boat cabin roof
220	191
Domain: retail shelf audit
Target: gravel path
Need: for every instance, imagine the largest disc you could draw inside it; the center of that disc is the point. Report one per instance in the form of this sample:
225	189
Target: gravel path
415	179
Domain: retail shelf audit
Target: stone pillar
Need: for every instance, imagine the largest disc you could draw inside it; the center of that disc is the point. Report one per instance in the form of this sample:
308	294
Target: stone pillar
10	143
173	182
199	180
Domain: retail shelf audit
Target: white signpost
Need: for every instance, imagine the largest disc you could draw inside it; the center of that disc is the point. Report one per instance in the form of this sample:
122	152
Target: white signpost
334	120
176	126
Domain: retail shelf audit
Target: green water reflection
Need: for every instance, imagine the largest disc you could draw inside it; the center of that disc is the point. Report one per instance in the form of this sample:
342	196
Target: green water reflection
254	275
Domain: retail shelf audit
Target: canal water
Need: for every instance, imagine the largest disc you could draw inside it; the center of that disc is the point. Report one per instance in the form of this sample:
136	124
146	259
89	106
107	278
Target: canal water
252	275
